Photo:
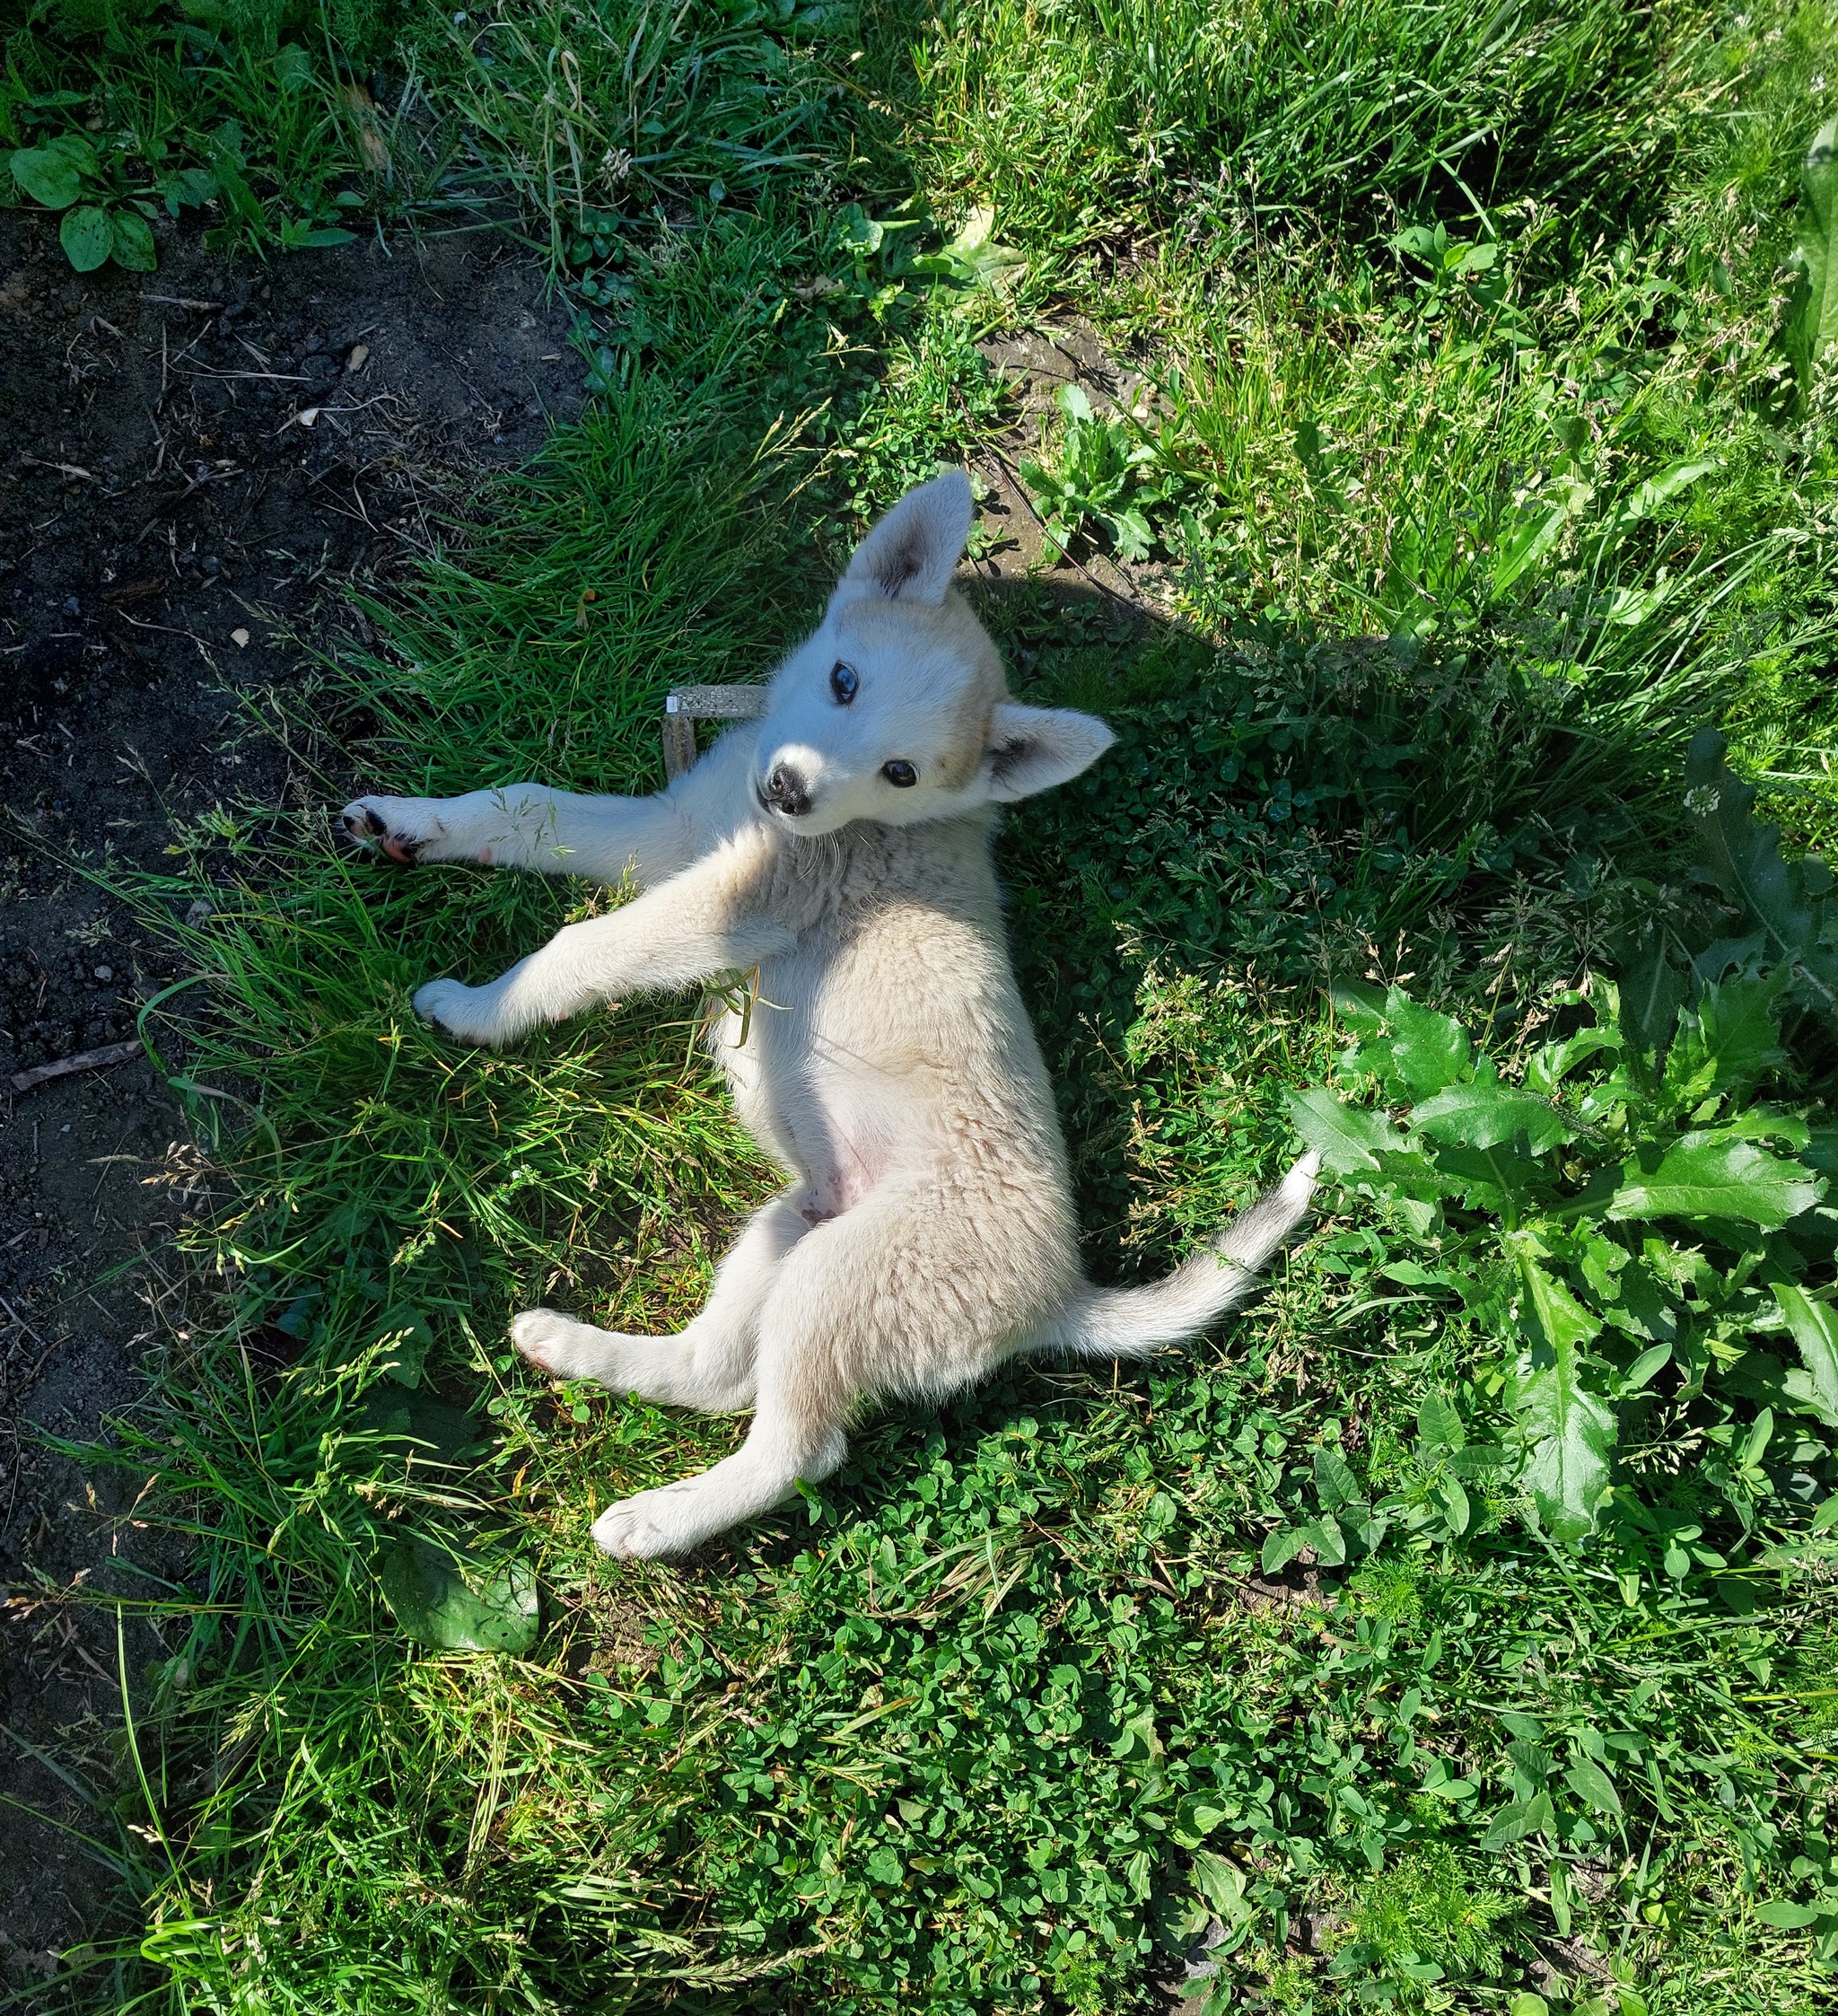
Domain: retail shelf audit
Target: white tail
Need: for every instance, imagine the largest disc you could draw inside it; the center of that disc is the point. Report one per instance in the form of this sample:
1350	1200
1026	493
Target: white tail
1131	1322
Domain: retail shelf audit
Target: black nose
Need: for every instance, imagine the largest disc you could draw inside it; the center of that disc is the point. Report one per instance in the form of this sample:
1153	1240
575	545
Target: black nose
787	791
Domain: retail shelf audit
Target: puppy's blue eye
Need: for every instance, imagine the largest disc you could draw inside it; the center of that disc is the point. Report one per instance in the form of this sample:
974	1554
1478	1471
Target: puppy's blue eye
843	683
902	775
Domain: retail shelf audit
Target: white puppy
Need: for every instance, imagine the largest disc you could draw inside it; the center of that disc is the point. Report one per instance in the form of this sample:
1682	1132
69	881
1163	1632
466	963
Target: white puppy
839	850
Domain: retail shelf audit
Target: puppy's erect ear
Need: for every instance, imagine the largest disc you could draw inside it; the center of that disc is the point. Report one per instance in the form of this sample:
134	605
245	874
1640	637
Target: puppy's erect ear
913	552
1033	748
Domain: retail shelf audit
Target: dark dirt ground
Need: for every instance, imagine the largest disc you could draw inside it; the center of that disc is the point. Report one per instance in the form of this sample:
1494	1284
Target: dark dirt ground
169	526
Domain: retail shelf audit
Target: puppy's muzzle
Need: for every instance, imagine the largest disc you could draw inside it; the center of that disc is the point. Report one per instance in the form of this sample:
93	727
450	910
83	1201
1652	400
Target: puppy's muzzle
785	791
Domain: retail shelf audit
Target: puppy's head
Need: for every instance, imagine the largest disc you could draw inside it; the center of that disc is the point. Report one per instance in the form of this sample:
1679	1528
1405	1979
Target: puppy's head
896	709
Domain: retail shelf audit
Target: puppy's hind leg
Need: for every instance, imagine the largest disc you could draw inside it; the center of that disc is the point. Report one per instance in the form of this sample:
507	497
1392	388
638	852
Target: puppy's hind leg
796	1432
707	1364
838	1315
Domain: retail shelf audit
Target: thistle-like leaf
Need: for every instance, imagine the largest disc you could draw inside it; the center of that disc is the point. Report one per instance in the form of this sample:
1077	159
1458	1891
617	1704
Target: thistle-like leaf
1782	899
1811	313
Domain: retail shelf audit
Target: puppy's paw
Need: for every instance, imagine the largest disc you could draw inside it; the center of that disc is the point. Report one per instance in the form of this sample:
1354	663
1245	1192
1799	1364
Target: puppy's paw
469	1013
403	829
560	1346
650	1525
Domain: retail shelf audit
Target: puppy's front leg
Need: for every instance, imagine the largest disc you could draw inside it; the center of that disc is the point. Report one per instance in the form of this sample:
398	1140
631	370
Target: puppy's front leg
528	826
712	918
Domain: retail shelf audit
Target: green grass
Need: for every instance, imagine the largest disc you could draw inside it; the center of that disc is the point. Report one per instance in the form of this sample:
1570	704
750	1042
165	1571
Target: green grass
997	1718
1086	119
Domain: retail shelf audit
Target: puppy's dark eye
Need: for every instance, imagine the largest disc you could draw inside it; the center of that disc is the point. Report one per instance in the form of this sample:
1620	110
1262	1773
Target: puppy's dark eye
843	683
902	775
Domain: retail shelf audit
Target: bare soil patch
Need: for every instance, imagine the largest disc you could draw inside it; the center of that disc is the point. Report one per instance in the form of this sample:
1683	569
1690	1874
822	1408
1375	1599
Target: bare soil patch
195	466
1038	364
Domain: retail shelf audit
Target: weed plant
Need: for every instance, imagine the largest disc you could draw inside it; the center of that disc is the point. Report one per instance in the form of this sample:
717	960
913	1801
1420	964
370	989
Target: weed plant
1264	1659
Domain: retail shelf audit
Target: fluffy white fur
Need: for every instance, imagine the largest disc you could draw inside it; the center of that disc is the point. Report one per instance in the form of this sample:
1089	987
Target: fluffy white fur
927	1231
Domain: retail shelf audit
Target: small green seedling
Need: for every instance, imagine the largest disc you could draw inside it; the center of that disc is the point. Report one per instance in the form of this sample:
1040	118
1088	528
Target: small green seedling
1110	473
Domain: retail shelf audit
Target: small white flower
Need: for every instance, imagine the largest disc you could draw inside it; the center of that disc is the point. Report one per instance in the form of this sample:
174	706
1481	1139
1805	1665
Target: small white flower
1816	85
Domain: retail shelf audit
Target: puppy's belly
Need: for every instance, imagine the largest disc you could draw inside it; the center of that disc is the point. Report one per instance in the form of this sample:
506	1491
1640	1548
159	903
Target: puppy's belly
832	1191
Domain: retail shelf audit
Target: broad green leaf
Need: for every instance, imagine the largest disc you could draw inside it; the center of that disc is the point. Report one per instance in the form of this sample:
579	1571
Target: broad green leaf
1639	1307
1348	1138
1529	1816
1632	510
459	1605
1335	1483
1223	1883
1815	1328
1197	1815
1455	1506
1821	1150
87	237
133	247
1531	1757
1456	1791
1550	1066
1812	315
47	177
1491	1178
193	186
1710	1175
1601	1261
1131	534
1785	1916
1553	1318
1733	1036
975	258
1660	488
1485	1116
75	149
1782	899
1649	1362
1369	1532
1428	1050
1652	990
885	1866
1140	1741
1570	1432
1329	1543
1361	1008
1761	1123
1438	1423
1756	1446
226	165
1538	527
1593	1785
1282	1547
293	66
1826	1517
